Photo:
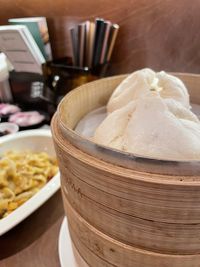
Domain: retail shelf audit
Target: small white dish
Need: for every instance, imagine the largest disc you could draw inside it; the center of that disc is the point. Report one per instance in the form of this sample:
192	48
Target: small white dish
9	126
34	140
66	249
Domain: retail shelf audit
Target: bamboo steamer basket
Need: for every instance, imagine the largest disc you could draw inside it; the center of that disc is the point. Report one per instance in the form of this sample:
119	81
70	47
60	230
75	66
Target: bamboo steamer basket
100	250
92	192
143	203
78	259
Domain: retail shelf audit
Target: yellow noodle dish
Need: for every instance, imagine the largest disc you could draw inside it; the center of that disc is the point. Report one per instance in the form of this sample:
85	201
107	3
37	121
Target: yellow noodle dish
22	174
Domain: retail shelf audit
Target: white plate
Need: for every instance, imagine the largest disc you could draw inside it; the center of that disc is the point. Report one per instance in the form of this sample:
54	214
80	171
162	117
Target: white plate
34	140
66	249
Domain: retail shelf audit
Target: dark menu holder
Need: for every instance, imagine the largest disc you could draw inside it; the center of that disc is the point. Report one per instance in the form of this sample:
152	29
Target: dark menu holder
30	92
61	76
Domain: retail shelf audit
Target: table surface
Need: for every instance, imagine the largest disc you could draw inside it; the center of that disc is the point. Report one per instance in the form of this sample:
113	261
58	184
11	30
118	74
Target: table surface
34	242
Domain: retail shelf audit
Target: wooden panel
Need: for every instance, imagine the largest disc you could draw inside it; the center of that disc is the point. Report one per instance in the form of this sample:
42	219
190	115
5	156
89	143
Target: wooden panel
158	34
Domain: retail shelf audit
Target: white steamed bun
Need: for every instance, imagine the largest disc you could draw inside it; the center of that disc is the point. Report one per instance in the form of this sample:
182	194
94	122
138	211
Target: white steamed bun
140	82
153	126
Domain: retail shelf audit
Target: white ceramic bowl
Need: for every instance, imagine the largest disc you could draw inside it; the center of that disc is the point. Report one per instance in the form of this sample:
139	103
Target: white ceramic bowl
34	140
9	126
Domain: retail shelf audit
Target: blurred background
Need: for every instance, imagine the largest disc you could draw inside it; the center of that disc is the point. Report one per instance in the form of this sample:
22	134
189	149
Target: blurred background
155	33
